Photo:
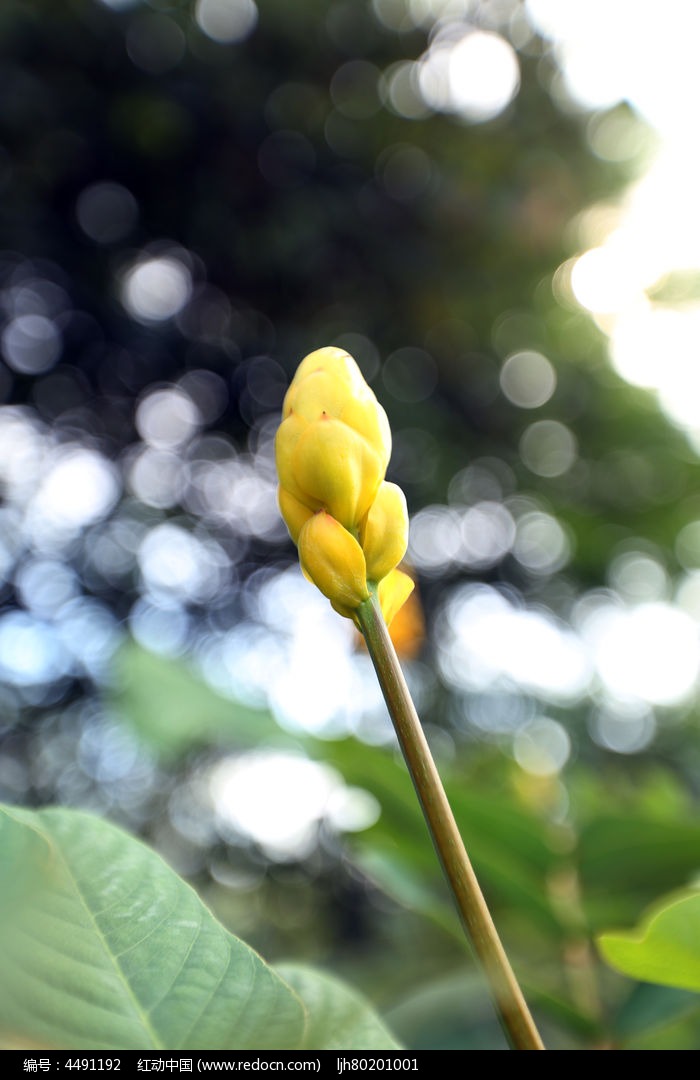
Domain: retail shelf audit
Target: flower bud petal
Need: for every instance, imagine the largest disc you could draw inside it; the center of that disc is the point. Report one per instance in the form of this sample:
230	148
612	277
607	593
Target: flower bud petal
295	513
367	418
335	466
336	361
320	393
286	441
393	592
384	532
333	560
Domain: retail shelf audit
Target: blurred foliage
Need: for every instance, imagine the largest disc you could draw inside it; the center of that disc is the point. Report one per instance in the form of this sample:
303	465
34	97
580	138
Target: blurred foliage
173	714
287	203
552	885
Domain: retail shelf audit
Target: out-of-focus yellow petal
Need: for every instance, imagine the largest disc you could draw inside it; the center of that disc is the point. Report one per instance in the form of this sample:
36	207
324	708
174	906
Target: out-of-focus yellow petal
407	630
384	531
393	592
333	560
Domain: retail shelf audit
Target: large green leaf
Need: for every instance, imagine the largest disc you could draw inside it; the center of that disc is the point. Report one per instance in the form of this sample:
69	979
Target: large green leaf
104	947
339	1018
109	949
664	949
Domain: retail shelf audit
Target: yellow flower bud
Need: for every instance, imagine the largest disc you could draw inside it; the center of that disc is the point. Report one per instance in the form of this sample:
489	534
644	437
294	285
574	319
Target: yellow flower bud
384	531
334	442
333	560
393	592
332	449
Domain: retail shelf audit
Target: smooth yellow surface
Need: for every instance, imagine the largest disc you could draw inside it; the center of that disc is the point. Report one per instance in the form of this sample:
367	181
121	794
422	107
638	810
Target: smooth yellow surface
332	450
384	532
333	560
393	592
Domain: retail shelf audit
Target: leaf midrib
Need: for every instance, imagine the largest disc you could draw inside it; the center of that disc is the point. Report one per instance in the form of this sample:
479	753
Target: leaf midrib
138	1009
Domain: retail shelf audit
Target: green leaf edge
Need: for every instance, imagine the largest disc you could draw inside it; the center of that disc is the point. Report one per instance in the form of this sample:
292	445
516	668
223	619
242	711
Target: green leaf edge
621	949
303	977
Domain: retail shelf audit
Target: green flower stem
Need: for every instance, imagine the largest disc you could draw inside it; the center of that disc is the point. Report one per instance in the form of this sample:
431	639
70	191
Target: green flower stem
506	993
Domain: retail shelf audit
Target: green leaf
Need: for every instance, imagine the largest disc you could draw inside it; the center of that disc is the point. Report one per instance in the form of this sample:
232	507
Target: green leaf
339	1018
106	948
664	949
